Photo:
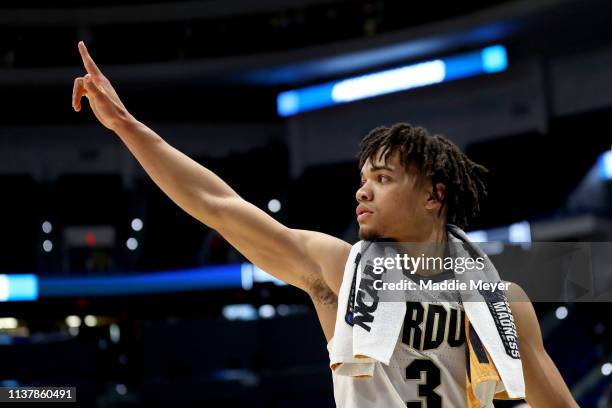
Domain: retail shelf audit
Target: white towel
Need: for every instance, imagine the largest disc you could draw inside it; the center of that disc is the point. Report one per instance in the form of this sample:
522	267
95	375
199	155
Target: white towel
367	331
488	315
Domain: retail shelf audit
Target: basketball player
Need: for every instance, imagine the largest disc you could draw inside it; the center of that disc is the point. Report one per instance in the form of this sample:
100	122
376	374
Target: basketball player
412	184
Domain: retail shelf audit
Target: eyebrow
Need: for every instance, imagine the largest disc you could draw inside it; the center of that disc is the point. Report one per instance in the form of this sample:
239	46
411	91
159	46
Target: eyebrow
374	168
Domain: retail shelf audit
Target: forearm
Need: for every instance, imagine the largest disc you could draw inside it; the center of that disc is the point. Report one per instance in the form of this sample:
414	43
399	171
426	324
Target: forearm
545	385
299	258
190	185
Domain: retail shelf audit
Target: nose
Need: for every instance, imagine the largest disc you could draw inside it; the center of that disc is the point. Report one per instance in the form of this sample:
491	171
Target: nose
363	193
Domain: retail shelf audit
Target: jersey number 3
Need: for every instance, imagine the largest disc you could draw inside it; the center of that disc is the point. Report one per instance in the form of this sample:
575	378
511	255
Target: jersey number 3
429	397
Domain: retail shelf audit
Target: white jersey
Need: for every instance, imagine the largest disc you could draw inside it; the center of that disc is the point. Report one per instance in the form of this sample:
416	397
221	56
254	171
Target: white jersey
427	368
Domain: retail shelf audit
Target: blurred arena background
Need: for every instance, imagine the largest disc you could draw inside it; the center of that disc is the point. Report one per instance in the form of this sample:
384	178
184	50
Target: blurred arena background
106	285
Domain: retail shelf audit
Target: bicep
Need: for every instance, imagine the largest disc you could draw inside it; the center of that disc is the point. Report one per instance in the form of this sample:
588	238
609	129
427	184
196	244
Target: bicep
331	254
294	256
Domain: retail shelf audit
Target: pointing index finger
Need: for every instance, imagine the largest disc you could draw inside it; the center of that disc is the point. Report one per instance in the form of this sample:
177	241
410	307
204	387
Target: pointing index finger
88	62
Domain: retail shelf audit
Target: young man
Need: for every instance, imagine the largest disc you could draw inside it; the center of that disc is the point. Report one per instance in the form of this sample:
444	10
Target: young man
412	185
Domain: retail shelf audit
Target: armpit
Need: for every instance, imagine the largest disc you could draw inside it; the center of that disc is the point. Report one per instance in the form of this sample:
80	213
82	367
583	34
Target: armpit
321	293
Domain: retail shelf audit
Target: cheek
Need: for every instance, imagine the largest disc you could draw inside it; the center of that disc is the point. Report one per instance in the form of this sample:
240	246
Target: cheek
396	202
403	203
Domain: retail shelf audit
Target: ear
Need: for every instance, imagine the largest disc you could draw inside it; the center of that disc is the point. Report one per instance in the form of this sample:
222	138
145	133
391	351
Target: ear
436	197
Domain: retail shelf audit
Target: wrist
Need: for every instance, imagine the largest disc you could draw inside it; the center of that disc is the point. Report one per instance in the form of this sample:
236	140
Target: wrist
125	123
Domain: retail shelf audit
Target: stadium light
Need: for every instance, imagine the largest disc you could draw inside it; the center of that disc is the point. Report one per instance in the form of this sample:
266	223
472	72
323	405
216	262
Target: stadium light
605	165
274	205
561	312
47	227
485	61
136	224
47	245
18	287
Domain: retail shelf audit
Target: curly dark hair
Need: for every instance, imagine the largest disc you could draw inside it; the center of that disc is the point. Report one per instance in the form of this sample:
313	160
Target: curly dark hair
434	158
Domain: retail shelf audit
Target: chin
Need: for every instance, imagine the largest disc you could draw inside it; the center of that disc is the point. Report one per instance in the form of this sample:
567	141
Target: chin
368	234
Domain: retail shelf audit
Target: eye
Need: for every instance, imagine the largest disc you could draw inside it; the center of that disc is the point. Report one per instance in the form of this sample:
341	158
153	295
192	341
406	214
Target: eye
383	178
361	183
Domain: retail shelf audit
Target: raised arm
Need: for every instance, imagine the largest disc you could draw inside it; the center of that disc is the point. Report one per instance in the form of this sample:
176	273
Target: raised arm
306	259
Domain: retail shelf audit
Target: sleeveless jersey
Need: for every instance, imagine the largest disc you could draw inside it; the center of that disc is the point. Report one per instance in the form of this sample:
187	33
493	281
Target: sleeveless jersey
427	368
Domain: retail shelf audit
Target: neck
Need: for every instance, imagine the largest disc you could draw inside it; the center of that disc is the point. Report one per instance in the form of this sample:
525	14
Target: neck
431	243
428	242
432	234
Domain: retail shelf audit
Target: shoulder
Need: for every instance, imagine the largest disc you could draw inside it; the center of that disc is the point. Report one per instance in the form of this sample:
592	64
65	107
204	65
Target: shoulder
330	255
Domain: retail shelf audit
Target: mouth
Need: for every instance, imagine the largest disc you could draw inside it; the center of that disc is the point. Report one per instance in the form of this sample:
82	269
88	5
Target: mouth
363	216
362	212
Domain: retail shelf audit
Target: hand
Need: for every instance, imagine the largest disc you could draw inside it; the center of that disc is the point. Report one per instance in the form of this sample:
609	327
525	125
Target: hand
98	90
